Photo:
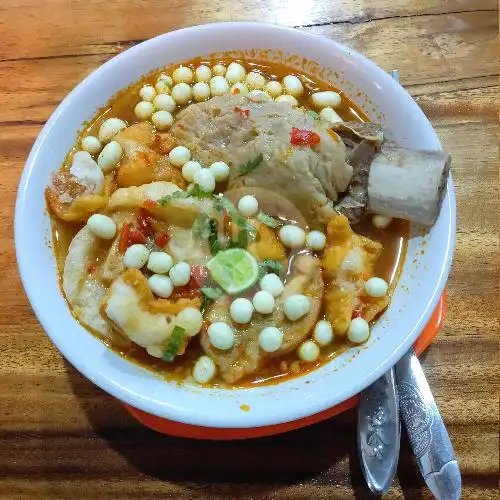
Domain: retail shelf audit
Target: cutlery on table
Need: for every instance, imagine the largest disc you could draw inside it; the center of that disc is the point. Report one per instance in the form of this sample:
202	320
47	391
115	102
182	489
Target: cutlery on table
404	388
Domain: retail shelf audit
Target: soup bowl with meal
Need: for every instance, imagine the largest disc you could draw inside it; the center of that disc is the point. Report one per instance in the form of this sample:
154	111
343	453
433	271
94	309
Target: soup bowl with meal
247	225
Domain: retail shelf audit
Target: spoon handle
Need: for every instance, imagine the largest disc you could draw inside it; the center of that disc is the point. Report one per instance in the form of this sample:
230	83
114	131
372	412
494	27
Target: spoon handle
425	427
379	433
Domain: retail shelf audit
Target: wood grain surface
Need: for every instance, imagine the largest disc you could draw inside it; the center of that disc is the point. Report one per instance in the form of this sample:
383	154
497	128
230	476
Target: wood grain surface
61	437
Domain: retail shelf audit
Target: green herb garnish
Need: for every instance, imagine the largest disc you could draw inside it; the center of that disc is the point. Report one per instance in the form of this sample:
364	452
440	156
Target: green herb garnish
272	266
213	240
211	293
313	114
205	303
250	165
174	345
178	195
269	221
201	226
197	192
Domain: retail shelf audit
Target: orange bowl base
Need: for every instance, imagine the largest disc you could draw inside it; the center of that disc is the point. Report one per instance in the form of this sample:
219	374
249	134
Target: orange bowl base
179	429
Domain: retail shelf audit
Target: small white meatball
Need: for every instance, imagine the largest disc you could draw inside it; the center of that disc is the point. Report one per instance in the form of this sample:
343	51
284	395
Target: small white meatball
289	99
220	170
179	156
330	115
110	156
191	320
219	70
201	91
143	110
221	335
135	256
164	84
183	74
164	102
166	79
155	350
326	99
241	310
218	86
270	339
359	330
315	240
91	144
235	73
239	89
204	370
259	96
189	169
205	179
323	333
308	351
102	226
376	287
292	236
160	262
162	120
203	73
161	285
110	128
180	273
147	93
182	93
255	80
248	205
273	88
296	306
381	221
293	86
271	283
263	302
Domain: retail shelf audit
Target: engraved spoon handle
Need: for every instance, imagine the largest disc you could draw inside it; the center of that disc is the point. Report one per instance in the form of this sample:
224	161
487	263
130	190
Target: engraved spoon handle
379	433
426	430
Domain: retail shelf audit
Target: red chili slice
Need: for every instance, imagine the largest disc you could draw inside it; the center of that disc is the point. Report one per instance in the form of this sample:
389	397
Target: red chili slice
150	205
161	239
144	221
199	274
304	137
129	236
244	113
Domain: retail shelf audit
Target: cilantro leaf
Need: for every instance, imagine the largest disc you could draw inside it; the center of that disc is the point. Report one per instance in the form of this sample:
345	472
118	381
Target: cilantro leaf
250	165
211	293
269	221
201	226
174	345
177	195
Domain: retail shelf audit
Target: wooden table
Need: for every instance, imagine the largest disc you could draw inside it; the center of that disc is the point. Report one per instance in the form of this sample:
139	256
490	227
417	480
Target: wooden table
61	437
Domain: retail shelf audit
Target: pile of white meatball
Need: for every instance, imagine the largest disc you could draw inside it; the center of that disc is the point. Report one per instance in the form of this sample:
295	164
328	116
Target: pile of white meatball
160	100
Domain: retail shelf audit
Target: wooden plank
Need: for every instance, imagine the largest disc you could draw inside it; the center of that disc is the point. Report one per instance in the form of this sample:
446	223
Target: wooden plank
425	49
54	27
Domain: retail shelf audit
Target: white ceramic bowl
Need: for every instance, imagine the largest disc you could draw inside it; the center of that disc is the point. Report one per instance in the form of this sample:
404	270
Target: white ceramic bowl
416	296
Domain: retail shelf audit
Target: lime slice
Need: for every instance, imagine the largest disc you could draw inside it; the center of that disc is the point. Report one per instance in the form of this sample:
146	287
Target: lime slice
234	270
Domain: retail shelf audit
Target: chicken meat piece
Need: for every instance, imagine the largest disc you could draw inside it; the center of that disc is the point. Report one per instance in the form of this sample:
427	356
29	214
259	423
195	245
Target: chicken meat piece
77	192
348	262
83	290
246	357
237	130
131	309
144	159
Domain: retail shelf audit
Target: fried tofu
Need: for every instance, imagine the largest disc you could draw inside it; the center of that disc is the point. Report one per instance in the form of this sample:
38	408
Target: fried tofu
348	261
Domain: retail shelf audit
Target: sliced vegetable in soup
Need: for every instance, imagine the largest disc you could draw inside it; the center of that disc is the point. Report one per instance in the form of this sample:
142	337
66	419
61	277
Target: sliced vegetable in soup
216	223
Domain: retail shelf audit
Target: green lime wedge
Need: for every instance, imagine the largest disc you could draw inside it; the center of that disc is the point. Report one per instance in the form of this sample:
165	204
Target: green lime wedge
234	270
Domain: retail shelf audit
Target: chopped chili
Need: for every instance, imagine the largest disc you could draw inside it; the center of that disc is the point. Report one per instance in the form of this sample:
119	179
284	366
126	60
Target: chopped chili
199	274
304	137
144	221
161	239
150	205
129	236
244	113
189	291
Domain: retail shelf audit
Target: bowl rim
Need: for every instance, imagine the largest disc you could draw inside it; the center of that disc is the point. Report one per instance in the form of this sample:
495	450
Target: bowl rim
116	389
